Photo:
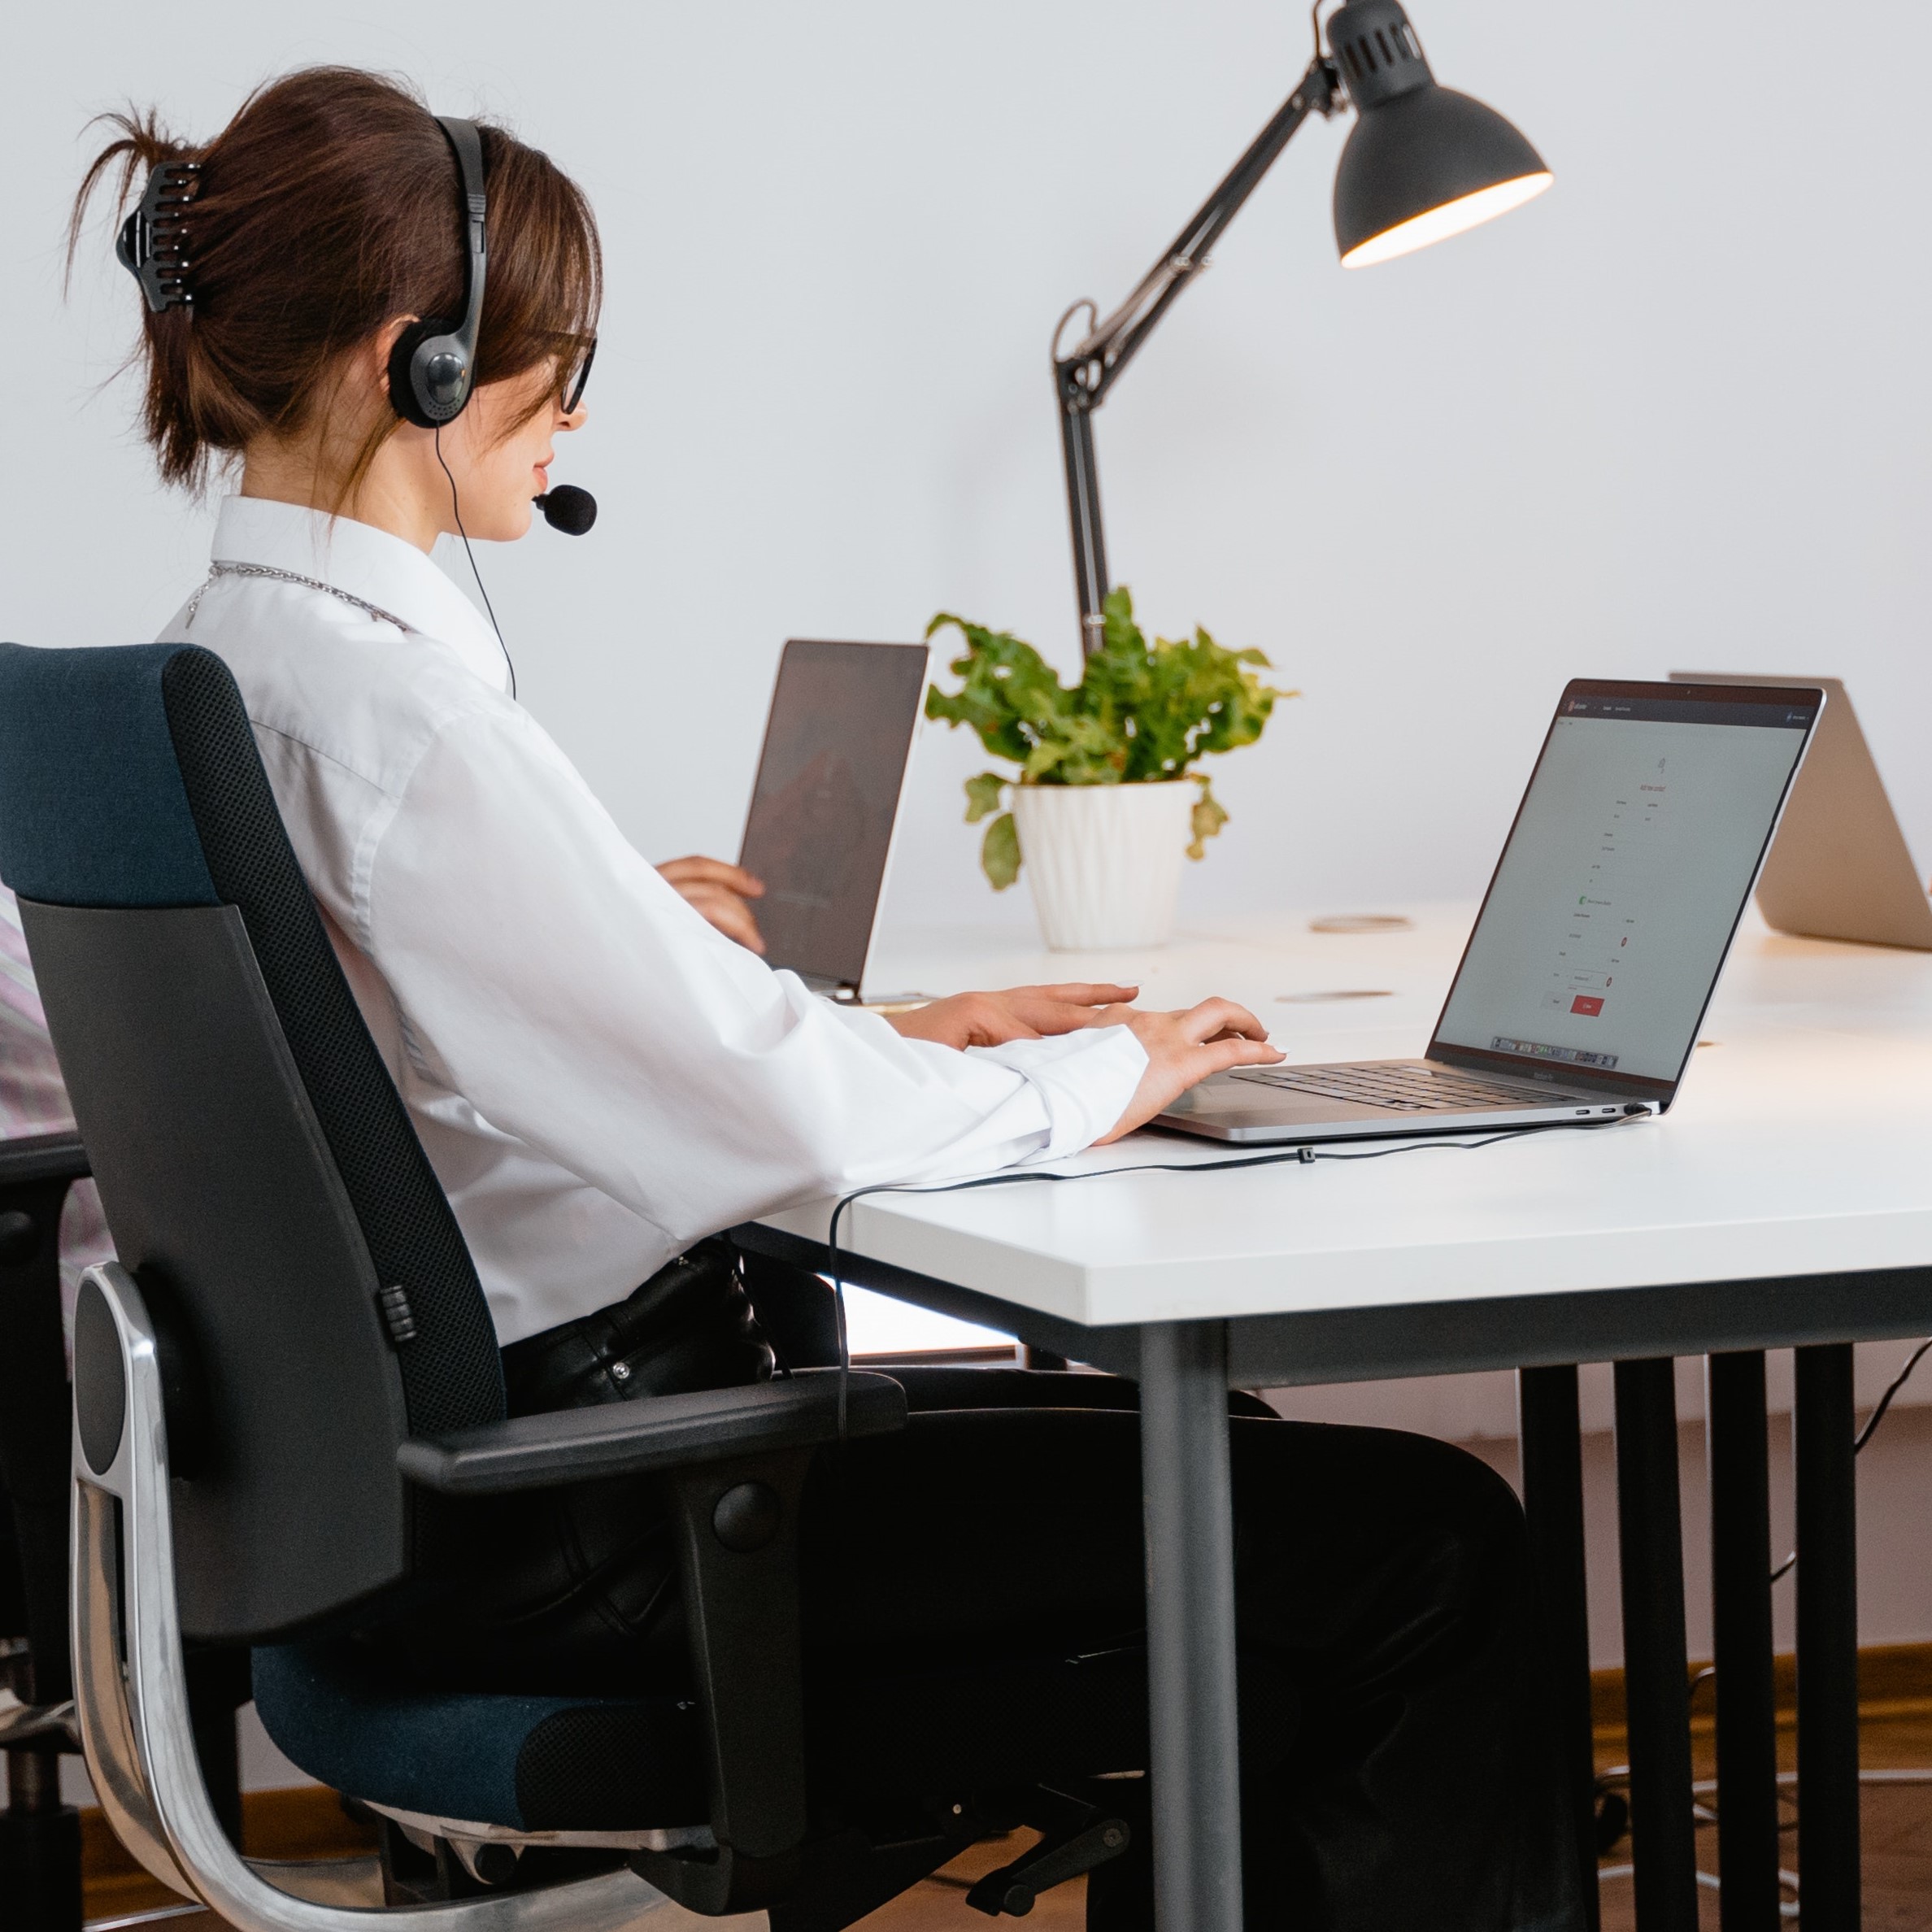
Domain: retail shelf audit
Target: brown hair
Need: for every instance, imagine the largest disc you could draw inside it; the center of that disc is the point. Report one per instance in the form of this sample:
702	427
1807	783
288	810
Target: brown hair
327	207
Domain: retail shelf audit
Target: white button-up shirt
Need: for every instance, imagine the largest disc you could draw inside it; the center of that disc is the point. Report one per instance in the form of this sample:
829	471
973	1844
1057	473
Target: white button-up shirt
599	1078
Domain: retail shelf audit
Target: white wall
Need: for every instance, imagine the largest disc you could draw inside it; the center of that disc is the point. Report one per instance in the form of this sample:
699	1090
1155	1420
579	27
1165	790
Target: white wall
1673	413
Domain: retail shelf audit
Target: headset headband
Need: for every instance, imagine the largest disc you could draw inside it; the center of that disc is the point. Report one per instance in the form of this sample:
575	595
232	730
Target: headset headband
432	368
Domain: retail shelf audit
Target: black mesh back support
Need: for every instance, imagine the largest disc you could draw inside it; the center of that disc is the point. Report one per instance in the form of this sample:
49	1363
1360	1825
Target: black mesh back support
452	1374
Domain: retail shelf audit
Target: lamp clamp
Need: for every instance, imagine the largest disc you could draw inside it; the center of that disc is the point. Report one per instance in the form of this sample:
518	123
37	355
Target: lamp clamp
1321	91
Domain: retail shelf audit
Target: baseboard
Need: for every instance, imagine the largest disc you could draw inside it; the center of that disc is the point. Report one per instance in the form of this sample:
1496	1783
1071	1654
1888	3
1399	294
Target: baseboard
1895	1680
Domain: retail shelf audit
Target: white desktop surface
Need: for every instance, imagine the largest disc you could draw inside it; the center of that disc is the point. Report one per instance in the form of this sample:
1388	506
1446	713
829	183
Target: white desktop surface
1801	1143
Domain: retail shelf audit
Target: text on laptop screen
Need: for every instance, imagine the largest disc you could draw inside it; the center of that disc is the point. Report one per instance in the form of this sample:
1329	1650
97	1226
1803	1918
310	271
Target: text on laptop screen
1622	882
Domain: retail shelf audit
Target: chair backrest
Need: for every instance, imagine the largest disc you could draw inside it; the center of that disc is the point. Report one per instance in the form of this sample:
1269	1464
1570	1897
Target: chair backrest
258	1170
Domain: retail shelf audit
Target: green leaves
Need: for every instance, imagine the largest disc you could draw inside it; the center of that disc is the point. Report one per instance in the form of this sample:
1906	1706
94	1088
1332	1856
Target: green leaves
1206	819
1140	713
1011	695
999	852
982	795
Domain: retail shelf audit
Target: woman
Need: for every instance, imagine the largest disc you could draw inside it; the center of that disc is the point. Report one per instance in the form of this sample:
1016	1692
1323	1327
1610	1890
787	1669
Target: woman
603	1081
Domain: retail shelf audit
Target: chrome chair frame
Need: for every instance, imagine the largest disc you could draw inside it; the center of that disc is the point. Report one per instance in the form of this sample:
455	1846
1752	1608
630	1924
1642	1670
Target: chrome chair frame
135	1729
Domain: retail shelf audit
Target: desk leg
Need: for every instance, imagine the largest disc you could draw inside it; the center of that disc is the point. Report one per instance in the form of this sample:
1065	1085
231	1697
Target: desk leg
1741	1625
1828	1856
1549	1434
1189	1528
1656	1678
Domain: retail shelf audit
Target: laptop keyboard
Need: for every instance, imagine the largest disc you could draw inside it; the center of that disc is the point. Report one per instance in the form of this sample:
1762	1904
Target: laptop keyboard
1404	1090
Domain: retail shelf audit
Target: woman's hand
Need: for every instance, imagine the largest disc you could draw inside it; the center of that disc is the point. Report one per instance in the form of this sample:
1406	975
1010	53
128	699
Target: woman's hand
720	892
1020	1013
1183	1049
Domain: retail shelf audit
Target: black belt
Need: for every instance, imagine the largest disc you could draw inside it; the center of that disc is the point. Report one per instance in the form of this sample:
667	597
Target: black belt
690	1326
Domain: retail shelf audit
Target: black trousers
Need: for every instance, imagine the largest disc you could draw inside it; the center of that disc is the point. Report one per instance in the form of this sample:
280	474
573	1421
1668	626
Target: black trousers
1411	1788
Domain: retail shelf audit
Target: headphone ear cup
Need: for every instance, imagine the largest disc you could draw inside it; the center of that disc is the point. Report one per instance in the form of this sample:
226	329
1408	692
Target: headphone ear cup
429	375
405	396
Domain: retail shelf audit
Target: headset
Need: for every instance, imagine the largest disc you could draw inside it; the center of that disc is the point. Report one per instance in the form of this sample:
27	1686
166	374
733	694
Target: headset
432	368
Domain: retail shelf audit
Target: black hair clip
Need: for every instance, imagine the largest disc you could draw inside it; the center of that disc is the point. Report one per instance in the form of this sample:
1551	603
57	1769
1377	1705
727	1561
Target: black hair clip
153	239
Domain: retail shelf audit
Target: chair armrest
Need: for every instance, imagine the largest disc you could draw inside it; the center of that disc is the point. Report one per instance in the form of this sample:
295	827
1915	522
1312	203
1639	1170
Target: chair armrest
42	1157
653	1433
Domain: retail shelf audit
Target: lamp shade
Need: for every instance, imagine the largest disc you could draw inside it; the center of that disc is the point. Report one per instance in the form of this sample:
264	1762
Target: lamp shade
1422	162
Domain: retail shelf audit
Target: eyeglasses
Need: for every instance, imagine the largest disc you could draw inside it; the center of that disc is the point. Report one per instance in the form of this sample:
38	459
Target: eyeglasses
580	374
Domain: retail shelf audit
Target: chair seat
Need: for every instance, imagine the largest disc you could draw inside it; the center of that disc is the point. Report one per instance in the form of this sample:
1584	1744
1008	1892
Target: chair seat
527	1763
576	1764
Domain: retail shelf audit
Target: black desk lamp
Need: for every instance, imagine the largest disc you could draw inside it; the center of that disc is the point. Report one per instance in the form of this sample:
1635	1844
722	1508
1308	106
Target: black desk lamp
1422	162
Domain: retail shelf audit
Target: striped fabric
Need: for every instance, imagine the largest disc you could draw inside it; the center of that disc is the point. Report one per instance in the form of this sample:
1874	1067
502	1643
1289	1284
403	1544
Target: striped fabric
33	1101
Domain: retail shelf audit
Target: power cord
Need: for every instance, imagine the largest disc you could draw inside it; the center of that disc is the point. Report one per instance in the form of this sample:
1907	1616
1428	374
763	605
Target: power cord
1787	1881
1300	1156
1870	1430
456	510
1885	1401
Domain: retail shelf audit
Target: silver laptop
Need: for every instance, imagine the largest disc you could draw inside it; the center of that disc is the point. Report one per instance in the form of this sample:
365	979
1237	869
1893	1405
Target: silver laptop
1840	867
838	740
1600	939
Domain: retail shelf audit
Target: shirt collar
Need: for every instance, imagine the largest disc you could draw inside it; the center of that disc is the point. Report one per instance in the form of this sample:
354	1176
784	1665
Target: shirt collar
368	564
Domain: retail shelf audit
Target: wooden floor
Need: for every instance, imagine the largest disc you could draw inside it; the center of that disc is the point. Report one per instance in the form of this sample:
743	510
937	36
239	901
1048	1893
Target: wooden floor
1896	1820
1898	1853
307	1824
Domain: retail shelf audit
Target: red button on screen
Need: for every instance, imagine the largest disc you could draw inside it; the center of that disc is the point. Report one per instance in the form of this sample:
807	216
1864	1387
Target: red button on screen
1587	1002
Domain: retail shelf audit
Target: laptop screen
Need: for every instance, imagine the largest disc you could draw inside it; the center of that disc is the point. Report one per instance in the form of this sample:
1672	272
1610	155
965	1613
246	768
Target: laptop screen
1625	875
829	778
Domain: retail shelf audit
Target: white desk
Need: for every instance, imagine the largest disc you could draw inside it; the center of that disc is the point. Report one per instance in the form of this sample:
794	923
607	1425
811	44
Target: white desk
1785	1200
1802	1142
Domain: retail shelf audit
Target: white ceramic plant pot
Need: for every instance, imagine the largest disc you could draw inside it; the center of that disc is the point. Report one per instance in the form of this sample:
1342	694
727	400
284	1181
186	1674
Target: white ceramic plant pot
1104	861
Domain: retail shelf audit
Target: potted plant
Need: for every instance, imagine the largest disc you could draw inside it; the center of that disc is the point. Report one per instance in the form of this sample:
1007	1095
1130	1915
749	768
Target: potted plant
1106	800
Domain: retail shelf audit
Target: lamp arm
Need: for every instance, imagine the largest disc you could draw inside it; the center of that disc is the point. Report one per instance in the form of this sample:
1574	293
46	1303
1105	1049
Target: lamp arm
1085	373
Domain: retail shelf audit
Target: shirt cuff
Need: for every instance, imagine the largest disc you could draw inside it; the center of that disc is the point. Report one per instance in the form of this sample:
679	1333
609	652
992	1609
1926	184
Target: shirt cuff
1083	1080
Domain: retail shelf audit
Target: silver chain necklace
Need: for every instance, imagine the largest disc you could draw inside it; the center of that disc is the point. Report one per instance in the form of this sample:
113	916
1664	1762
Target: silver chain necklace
287	577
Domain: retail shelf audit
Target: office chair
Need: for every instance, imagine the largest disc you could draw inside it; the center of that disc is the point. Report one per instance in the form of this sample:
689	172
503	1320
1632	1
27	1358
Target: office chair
289	1386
